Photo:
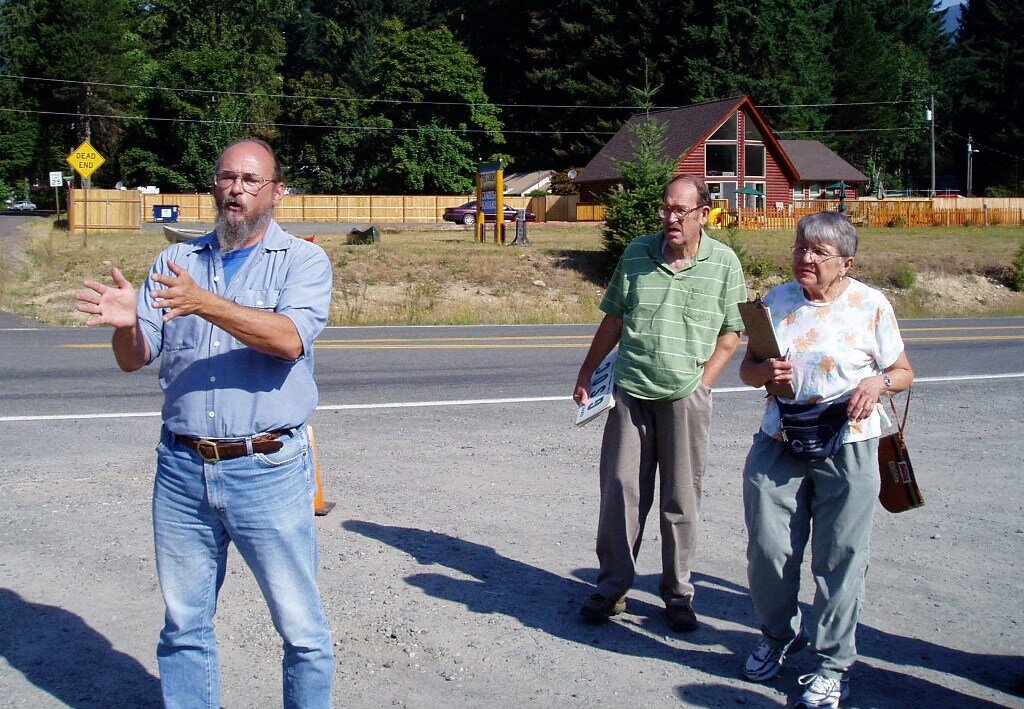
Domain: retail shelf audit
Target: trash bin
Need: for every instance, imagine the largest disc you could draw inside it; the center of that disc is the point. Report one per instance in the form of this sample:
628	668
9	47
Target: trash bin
165	212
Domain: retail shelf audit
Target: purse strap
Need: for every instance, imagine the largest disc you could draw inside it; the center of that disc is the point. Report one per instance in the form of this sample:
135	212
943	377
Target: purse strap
906	410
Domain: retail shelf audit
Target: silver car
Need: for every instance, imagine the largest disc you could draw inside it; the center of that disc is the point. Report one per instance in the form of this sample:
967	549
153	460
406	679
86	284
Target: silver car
24	206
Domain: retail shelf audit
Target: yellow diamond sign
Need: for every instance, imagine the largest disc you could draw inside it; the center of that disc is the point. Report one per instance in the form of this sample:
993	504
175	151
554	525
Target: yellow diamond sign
85	160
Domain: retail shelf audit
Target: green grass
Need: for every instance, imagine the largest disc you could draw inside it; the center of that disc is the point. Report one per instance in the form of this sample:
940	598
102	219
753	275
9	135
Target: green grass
441	276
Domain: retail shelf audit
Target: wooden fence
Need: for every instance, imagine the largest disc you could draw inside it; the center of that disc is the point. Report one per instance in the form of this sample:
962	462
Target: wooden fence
128	210
103	210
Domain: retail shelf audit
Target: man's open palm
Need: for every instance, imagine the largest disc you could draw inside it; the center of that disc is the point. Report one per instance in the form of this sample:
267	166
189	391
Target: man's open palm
109	305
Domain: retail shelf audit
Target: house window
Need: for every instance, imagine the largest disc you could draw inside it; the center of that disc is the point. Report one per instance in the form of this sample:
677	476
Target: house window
727	131
753	163
814	192
752	133
723	190
753	201
720	160
798	192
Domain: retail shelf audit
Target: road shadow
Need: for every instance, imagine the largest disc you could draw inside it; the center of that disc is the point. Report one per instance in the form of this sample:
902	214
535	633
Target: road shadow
59	653
506	586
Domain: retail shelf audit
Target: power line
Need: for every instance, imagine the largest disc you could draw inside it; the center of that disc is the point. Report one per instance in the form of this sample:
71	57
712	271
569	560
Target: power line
829	105
421	129
352	99
854	130
987	147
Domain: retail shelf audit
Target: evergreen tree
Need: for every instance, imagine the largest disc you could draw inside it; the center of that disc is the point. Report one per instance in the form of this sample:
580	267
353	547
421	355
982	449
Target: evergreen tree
989	67
631	210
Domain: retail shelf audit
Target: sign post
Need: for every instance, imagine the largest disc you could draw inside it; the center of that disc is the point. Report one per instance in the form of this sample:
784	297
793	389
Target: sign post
85	160
56	178
488	197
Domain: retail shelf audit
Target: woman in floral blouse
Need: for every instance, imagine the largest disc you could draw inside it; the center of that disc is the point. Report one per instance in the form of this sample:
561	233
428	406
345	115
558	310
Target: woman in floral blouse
844	351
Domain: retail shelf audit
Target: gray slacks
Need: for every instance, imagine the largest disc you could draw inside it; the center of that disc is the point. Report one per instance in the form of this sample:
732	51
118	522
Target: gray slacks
642	438
786	501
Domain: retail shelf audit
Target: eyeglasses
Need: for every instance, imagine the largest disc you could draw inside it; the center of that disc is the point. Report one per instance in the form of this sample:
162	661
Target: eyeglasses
251	182
815	255
680	213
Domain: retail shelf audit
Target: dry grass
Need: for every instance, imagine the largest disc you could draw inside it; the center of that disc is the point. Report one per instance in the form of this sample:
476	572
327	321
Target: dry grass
439	275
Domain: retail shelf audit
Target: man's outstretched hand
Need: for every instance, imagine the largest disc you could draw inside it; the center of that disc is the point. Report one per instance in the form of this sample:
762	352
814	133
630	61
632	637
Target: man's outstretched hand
182	296
108	305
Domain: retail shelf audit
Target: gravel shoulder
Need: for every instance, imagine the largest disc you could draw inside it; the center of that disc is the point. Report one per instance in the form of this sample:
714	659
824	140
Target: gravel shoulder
462	545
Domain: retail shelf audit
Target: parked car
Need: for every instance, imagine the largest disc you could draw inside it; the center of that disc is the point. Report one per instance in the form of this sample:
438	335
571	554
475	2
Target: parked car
466	214
24	205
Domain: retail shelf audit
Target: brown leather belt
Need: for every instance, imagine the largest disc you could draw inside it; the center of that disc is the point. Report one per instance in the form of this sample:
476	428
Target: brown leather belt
212	451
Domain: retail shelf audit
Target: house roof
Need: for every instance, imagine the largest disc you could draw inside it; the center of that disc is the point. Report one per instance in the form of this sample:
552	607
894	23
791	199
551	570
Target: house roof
521	183
685	128
814	161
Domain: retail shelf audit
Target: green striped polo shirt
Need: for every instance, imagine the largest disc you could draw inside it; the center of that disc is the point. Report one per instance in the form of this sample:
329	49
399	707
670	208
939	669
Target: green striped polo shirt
671	321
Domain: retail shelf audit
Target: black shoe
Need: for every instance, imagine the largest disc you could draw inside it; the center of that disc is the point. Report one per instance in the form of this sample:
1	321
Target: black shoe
598	609
681	618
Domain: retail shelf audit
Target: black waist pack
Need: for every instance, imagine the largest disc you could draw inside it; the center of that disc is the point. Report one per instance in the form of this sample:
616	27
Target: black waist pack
813	431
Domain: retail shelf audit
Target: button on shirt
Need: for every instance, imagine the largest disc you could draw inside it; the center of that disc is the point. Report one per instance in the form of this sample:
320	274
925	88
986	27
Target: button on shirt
215	386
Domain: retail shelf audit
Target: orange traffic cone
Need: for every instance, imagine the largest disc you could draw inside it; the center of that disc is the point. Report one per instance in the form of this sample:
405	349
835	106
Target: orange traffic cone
320	508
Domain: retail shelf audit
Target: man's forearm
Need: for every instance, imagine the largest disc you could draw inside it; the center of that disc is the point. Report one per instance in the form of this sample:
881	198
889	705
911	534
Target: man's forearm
725	347
270	333
131	349
605	339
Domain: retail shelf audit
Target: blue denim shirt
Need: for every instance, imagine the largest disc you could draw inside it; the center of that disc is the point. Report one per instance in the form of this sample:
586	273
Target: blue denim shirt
214	386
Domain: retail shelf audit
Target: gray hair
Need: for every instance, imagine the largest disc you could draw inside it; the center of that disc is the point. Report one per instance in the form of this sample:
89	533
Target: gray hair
828	228
703	195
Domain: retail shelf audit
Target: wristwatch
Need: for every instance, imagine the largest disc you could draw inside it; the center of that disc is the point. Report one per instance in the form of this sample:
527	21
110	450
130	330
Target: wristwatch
887	380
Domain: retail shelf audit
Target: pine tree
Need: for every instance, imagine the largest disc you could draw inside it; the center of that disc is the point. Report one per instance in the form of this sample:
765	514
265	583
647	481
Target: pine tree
632	209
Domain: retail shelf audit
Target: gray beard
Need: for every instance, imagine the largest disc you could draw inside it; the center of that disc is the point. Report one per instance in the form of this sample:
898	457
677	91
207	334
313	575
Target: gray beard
233	236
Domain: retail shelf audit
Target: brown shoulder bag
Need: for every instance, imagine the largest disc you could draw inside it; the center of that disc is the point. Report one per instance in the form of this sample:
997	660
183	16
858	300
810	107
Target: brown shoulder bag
899	491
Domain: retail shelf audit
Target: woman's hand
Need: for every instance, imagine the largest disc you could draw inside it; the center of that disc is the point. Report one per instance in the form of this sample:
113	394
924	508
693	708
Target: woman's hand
777	370
864	397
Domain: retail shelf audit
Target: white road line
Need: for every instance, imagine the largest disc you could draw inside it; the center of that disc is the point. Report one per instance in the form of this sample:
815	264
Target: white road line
465	402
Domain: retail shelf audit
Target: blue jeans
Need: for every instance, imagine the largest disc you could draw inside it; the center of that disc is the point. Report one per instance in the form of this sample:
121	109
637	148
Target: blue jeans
264	504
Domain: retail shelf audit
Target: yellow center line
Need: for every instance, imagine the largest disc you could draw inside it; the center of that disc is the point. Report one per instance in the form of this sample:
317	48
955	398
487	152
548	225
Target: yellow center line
482	343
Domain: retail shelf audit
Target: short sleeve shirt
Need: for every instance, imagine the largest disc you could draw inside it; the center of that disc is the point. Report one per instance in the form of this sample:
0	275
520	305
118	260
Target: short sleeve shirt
215	386
833	346
671	320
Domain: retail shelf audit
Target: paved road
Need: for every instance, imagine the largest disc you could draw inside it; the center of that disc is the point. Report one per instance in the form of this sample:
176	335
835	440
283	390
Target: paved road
55	371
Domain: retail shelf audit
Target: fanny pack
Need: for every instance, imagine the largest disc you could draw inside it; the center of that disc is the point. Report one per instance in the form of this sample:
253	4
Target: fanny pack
813	431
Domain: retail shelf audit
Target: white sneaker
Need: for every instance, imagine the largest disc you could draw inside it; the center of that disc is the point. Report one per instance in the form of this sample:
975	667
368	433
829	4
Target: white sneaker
766	661
823	691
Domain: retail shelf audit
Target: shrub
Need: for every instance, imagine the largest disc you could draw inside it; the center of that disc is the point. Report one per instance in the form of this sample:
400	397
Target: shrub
906	277
1017	270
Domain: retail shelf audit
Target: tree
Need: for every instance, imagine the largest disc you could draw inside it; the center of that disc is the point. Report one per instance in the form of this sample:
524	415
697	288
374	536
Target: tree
631	210
428	93
782	58
989	64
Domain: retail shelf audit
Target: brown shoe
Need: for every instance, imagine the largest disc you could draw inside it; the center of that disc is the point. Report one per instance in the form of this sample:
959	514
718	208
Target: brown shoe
681	618
598	609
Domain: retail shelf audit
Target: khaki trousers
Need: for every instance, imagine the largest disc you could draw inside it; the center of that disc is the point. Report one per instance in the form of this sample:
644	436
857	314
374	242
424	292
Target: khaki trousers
642	438
831	502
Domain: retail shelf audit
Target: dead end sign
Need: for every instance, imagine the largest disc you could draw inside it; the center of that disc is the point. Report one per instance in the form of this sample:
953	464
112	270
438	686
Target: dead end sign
85	160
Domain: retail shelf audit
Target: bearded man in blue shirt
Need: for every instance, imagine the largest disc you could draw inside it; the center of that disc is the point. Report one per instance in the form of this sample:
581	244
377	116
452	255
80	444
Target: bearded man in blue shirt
232	316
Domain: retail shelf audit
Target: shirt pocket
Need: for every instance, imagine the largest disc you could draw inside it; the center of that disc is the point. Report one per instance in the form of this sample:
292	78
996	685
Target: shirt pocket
703	305
261	299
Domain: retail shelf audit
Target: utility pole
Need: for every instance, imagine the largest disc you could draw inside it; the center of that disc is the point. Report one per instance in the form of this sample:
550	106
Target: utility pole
970	165
931	118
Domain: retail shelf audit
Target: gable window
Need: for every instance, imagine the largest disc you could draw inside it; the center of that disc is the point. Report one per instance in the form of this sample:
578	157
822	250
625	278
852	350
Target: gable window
752	133
727	131
754	160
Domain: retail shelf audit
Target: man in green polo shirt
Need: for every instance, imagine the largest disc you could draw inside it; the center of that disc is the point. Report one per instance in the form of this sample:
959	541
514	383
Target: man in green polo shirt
671	308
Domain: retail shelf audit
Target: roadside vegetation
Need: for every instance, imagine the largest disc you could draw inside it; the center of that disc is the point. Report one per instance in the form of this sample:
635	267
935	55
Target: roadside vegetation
438	275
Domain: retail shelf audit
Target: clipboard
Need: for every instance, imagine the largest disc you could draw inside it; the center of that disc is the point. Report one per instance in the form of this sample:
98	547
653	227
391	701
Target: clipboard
761	340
